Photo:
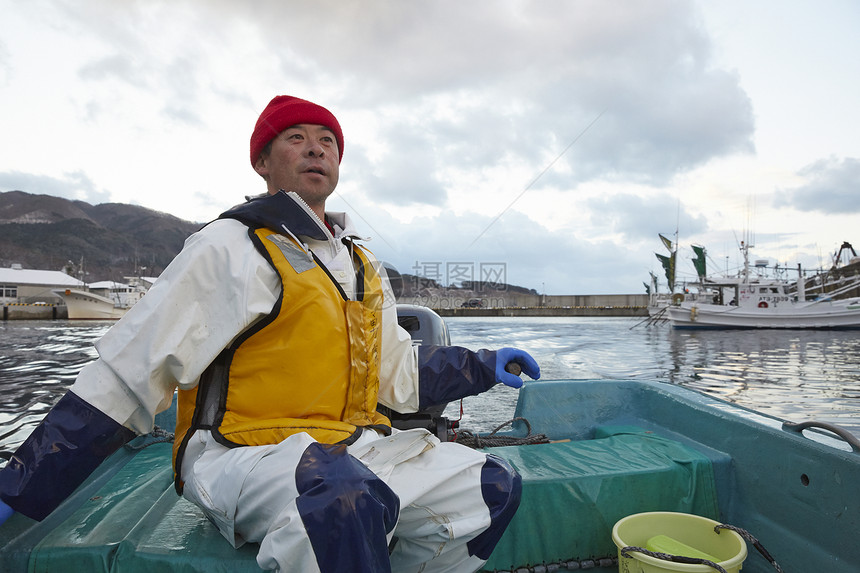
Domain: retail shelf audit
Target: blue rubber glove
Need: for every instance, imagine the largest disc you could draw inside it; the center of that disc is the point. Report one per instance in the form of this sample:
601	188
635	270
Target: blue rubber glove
5	512
520	357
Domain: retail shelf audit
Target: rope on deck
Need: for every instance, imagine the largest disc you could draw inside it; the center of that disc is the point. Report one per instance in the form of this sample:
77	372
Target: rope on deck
477	441
156	436
571	565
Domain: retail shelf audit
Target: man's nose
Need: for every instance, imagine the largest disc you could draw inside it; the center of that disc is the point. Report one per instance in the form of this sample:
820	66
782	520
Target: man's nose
315	149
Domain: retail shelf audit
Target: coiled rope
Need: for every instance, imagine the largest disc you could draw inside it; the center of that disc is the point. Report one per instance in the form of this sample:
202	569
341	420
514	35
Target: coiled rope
491	440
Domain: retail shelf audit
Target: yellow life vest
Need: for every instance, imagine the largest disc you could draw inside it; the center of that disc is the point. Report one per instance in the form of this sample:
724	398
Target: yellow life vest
311	365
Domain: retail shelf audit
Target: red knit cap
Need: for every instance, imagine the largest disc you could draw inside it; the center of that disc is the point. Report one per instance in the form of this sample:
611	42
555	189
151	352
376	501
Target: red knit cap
286	111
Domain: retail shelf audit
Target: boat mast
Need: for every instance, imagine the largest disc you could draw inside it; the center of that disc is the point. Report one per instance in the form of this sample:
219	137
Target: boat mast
801	284
675	251
745	249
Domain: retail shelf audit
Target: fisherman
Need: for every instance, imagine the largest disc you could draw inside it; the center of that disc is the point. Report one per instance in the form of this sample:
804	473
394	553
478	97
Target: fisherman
280	333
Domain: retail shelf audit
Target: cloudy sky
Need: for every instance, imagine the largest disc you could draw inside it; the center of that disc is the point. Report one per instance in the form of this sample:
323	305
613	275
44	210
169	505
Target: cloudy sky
555	138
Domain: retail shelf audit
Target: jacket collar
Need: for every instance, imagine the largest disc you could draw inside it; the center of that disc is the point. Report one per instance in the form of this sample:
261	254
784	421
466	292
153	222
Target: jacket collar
286	211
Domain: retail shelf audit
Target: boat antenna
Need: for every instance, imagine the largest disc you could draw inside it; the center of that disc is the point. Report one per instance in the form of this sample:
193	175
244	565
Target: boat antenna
750	234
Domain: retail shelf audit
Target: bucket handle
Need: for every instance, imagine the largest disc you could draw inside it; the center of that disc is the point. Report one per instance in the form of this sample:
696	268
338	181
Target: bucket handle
838	430
755	543
670	557
697	561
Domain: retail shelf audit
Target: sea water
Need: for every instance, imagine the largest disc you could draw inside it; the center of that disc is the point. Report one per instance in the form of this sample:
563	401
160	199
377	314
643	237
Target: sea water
796	375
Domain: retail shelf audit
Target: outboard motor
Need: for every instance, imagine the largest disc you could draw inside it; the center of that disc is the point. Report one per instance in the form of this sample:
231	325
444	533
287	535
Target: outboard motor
426	329
423	324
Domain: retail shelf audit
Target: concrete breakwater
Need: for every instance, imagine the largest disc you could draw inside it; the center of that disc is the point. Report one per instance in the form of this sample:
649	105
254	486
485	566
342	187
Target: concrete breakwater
546	311
504	304
507	304
22	311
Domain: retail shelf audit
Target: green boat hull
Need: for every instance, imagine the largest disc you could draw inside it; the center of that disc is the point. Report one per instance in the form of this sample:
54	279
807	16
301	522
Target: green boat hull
619	448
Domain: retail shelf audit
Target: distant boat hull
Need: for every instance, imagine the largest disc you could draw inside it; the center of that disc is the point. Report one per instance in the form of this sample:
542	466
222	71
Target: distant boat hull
812	314
83	305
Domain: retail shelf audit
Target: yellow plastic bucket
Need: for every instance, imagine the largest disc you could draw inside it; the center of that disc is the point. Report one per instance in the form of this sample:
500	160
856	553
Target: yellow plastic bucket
668	530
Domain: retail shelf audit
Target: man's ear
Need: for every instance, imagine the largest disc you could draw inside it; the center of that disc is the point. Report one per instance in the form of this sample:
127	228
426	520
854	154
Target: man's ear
262	166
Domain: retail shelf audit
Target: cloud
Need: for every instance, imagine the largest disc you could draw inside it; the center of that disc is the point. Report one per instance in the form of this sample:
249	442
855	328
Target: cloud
474	85
477	85
5	65
75	186
470	82
115	66
654	134
831	187
139	49
404	177
635	217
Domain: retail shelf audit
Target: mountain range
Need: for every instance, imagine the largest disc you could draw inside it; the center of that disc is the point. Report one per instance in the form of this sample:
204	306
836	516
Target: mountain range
108	241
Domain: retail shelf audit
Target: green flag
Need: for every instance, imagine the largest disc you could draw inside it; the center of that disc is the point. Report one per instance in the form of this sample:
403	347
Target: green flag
669	266
699	262
666	242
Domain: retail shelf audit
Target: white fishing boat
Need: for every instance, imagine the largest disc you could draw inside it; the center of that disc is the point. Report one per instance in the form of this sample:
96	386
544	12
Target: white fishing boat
753	300
104	300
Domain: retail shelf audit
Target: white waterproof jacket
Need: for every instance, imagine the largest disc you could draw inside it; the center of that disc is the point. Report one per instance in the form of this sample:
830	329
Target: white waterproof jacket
216	288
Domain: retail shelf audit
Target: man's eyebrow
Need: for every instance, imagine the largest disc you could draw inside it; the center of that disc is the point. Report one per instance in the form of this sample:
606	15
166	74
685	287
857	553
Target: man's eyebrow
297	125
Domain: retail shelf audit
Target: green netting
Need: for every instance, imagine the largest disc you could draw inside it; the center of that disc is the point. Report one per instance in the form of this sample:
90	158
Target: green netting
574	492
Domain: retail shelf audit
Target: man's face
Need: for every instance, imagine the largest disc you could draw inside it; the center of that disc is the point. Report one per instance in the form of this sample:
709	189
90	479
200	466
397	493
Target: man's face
304	159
